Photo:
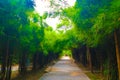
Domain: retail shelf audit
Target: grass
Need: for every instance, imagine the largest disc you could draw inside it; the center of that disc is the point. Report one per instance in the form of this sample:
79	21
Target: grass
92	76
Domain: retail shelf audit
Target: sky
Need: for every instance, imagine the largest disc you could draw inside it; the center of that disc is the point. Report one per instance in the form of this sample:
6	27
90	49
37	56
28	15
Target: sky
43	6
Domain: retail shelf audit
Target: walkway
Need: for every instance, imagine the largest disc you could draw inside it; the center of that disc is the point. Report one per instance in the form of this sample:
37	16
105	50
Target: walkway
64	69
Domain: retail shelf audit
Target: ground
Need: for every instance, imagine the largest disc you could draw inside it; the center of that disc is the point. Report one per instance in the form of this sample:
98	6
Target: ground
64	69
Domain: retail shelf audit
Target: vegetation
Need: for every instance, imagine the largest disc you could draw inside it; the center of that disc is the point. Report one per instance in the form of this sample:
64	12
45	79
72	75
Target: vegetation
89	31
98	30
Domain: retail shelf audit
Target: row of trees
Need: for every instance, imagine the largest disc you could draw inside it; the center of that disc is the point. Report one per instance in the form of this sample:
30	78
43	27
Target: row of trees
93	39
25	38
95	36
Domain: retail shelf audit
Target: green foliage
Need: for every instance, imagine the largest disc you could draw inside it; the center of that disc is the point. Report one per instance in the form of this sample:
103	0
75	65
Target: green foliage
64	22
93	22
66	53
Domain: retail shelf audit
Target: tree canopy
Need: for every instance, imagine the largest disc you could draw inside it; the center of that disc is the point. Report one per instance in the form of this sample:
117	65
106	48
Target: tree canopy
25	32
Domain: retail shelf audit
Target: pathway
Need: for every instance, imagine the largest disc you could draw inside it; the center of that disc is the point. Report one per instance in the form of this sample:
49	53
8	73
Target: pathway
64	69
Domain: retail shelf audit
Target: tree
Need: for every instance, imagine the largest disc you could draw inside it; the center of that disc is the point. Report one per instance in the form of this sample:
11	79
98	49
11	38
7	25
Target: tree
14	16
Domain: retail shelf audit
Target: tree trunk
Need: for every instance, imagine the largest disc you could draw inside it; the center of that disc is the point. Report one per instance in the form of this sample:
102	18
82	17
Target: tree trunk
35	62
117	52
3	68
22	63
89	59
6	61
8	72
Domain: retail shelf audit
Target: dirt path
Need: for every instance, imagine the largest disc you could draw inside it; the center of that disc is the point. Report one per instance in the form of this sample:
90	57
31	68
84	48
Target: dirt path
65	69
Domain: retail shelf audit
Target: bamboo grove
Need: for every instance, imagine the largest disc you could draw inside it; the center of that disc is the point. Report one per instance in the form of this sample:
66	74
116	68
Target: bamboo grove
91	32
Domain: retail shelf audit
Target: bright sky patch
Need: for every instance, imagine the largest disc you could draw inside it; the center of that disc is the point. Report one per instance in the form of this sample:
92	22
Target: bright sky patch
44	5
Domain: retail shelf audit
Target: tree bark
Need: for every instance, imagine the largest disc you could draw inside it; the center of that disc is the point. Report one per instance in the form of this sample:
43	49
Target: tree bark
6	60
35	61
22	63
117	52
9	65
89	59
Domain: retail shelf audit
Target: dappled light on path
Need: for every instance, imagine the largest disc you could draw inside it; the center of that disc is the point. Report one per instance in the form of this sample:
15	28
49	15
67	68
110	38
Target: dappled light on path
64	69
